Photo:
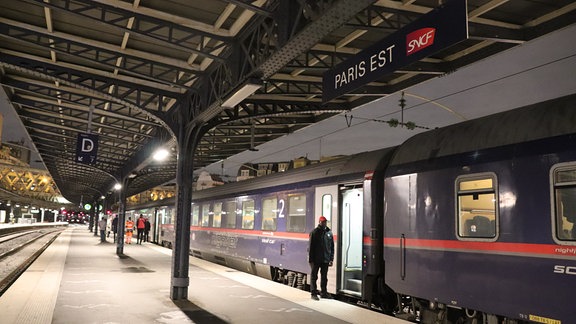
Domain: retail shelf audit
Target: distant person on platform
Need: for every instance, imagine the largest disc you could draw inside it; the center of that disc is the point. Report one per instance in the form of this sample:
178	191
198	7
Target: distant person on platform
320	257
146	230
115	227
129	230
102	225
140	226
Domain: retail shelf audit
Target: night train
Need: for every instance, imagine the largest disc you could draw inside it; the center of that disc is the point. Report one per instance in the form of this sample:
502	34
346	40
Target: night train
470	223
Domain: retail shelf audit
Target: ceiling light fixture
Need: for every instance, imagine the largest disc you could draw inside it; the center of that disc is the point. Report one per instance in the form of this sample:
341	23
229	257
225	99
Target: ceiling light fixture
243	92
161	154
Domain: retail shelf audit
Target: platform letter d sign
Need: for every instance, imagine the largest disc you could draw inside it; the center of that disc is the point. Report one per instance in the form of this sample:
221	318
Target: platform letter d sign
87	145
86	148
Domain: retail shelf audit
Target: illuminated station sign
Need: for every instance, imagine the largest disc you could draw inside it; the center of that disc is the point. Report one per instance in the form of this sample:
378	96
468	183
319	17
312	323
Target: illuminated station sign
444	26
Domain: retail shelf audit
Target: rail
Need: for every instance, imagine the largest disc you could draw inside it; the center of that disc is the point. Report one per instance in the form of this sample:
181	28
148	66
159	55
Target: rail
19	250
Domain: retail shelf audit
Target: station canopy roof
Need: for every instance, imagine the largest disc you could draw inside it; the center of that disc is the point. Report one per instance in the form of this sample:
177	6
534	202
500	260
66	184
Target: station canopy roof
133	72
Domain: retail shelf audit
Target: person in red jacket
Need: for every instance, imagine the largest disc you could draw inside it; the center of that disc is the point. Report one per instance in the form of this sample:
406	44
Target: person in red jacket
140	226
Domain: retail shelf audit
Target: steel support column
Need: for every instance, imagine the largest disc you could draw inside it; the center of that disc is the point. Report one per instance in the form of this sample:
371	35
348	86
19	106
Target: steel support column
181	248
121	217
91	225
94	217
188	137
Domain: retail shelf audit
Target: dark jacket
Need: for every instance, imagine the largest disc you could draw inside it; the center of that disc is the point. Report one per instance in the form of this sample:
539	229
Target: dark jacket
321	245
115	225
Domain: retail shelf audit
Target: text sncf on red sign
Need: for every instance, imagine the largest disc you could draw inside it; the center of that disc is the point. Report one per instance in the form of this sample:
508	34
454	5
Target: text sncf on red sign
419	40
440	28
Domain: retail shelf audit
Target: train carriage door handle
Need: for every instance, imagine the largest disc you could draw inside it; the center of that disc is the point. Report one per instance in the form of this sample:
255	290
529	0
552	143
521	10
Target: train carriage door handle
402	257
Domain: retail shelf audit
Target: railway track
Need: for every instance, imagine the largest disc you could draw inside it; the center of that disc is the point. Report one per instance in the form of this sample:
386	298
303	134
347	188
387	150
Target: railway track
18	250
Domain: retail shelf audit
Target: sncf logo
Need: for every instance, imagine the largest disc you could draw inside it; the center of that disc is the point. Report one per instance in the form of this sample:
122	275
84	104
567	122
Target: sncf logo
419	39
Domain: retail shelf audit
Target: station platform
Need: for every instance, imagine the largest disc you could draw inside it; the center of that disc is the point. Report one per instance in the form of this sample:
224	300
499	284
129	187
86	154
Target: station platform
78	279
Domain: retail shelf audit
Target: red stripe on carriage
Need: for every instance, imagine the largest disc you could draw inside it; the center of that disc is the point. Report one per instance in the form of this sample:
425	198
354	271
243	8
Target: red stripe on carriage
492	247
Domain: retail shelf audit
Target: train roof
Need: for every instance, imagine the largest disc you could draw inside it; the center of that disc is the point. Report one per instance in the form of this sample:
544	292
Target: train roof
348	168
546	119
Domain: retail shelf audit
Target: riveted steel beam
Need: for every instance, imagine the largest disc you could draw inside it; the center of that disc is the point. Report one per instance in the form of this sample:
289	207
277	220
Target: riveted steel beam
104	56
147	26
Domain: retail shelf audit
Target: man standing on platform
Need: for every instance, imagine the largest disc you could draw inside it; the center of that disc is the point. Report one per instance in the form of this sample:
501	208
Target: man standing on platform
140	226
320	257
115	226
102	226
146	230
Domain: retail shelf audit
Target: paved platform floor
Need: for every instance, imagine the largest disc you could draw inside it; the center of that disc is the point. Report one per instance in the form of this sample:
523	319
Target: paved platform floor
80	280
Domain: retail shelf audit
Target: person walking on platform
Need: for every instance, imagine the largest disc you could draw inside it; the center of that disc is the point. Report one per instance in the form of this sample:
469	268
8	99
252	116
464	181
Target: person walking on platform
115	227
140	225
320	257
102	225
129	230
146	230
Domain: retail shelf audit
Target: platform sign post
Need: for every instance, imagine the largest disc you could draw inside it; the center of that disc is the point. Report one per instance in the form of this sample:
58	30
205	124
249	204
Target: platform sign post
86	148
442	27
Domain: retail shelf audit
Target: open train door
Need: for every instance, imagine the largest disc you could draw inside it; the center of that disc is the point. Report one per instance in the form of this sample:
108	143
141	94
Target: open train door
350	240
326	204
162	218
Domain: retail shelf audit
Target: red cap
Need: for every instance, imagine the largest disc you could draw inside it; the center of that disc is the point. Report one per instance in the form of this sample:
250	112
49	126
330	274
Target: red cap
322	219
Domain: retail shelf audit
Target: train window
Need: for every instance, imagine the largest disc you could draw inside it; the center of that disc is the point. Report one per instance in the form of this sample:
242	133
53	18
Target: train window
564	178
296	220
205	215
327	208
195	215
248	214
229	213
477	202
269	213
166	215
217	217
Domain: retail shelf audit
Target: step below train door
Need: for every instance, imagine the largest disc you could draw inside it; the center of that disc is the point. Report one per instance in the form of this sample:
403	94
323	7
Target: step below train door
326	204
351	226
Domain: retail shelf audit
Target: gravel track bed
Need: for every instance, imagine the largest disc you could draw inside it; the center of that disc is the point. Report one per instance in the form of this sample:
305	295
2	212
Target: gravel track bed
16	260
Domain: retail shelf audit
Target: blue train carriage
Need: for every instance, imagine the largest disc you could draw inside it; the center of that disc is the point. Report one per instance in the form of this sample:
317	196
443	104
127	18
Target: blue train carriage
262	225
479	218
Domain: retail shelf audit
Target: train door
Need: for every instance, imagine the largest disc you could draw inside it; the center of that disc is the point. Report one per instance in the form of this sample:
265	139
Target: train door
400	222
155	225
326	204
351	227
159	220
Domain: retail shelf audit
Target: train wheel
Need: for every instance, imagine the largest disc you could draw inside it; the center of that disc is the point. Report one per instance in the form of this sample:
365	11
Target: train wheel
407	308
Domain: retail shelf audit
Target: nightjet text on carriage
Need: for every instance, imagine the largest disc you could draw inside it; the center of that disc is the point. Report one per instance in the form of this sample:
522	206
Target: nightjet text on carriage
442	27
